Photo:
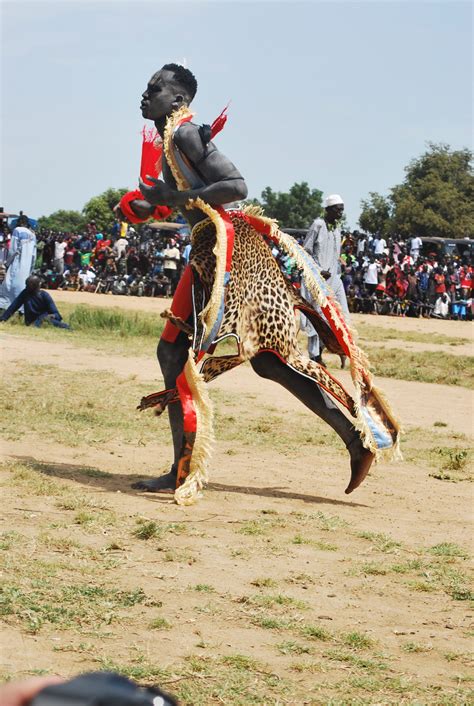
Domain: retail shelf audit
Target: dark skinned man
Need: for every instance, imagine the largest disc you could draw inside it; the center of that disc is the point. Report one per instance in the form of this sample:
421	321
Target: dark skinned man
323	243
215	181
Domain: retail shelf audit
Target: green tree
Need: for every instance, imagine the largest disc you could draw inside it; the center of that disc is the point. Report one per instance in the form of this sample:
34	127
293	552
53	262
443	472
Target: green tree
100	208
65	221
296	208
436	197
375	216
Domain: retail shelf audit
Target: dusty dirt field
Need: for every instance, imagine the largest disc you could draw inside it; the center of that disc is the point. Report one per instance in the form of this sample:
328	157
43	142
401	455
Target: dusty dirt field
276	587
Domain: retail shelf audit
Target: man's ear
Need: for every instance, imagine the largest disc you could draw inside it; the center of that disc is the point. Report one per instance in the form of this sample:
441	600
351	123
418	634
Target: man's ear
178	101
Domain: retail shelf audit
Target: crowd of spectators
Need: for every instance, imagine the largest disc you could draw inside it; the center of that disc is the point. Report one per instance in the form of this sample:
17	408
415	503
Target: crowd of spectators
403	277
381	276
126	261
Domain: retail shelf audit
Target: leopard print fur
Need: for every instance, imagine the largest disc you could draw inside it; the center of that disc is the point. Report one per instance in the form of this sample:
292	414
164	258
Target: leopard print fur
259	306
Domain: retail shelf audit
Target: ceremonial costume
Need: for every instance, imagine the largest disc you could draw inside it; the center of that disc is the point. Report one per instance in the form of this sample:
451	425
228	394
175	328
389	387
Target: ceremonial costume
233	287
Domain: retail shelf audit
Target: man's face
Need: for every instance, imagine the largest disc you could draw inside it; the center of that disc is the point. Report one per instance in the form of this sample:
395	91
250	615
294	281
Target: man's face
161	96
334	213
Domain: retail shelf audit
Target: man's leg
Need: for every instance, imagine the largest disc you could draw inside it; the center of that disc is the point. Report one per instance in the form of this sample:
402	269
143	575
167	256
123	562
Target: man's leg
313	348
172	355
269	366
340	296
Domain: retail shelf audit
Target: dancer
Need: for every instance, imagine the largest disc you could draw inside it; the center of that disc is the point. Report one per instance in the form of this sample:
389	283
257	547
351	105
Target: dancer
234	287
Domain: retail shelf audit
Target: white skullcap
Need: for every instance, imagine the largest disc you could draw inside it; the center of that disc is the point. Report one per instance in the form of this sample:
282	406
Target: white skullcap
333	200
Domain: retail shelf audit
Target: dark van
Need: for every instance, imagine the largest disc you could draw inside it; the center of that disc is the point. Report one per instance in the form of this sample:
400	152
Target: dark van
462	247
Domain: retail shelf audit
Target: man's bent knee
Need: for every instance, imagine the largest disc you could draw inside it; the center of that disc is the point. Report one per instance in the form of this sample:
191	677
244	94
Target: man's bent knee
172	358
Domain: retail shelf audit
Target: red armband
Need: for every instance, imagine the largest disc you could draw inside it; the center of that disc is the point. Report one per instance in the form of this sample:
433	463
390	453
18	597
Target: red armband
159	213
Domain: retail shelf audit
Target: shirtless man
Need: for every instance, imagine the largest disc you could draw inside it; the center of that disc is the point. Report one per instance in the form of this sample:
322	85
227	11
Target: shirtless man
169	89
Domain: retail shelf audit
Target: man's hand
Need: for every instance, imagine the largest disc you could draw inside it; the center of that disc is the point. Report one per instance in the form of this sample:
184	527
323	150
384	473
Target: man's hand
118	213
325	274
19	693
159	194
142	209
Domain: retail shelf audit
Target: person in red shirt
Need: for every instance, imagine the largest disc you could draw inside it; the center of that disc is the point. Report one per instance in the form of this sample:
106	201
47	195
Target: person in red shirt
69	254
440	282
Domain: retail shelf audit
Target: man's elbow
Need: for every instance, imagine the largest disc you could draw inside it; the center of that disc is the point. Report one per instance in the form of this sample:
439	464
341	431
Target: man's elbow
241	190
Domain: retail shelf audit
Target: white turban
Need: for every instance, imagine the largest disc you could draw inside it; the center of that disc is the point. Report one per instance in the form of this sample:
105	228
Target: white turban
333	200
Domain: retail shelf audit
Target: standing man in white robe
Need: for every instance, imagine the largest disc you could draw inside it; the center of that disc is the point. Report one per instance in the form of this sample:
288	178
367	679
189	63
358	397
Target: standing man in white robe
19	263
323	243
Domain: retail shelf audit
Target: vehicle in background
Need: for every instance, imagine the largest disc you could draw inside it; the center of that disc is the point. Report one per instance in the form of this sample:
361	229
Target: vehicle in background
460	247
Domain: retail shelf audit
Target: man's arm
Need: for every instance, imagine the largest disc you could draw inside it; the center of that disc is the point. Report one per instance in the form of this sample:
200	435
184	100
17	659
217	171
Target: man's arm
49	304
311	245
14	306
225	183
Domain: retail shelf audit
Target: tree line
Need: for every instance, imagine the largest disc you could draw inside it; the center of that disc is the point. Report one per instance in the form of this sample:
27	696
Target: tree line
436	198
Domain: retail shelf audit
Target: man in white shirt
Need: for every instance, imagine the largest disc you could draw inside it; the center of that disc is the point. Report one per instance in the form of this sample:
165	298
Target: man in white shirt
371	278
59	250
379	245
171	260
415	246
323	243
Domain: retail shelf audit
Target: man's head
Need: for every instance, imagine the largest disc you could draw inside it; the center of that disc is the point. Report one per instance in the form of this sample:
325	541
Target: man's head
23	221
333	208
168	89
33	283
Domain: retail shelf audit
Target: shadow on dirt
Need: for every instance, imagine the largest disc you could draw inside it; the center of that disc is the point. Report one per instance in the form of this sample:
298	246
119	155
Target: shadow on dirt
113	482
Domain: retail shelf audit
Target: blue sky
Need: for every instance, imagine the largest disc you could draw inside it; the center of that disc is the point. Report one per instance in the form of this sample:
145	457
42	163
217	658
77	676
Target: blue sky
339	94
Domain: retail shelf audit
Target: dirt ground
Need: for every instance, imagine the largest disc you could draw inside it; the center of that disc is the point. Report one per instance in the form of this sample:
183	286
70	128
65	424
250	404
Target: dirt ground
274	521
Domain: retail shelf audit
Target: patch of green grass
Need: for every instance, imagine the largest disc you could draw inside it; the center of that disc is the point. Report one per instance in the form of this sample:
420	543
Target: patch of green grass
148	529
415	647
315	632
33	482
456	464
357	640
381	542
140	670
289	647
302	579
440	368
373	569
369	333
66	419
407	566
204	588
380	685
268	601
269	623
65	606
369	665
323	546
9	539
159	624
260	526
326	523
448	549
264	582
440	424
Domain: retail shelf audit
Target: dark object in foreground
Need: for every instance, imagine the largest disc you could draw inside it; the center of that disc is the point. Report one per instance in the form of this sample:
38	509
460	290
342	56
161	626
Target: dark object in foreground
101	689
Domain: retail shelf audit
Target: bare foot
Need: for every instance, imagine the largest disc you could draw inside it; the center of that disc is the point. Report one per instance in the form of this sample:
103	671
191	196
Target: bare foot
163	484
360	466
